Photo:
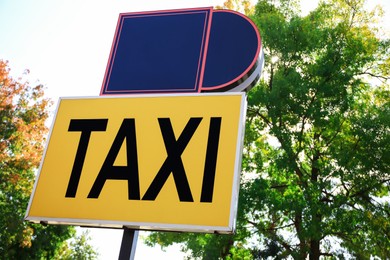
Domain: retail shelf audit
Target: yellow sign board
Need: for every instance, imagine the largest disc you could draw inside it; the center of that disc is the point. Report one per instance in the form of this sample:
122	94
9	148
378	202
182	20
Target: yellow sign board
162	162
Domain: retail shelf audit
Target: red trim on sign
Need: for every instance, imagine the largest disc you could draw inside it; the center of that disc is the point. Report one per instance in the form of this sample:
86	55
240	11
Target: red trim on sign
206	47
254	59
201	61
113	49
169	11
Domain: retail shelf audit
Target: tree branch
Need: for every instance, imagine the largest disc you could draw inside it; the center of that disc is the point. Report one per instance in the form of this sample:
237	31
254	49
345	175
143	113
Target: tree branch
375	76
257	113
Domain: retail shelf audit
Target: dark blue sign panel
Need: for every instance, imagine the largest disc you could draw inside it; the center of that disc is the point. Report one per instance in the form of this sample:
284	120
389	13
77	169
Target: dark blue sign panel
192	50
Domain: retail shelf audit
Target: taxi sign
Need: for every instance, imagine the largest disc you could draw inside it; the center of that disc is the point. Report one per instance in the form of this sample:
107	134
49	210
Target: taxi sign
159	162
183	51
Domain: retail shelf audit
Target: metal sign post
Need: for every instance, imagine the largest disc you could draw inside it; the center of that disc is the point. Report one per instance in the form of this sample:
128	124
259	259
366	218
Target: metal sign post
130	237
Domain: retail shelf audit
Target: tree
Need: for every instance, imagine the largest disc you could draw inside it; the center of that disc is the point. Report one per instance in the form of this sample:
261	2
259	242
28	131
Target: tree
78	249
316	174
23	111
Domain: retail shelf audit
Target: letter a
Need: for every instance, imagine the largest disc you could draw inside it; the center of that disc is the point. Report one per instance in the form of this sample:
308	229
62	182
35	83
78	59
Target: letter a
129	172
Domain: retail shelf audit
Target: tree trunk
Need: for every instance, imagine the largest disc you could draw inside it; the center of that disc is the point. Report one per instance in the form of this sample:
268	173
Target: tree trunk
315	252
225	252
314	249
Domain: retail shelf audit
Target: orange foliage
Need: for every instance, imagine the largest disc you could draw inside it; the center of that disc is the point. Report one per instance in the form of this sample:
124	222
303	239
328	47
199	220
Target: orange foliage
23	112
22	126
244	6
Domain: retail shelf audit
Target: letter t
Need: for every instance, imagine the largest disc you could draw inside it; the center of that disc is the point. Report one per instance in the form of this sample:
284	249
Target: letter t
85	126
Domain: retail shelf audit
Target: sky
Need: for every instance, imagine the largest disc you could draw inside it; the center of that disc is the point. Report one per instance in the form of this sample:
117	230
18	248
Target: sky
66	44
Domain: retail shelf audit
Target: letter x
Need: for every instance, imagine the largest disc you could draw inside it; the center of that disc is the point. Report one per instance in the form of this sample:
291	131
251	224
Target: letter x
173	163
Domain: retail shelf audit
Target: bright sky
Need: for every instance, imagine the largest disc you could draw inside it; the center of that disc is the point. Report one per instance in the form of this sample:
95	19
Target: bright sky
65	44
